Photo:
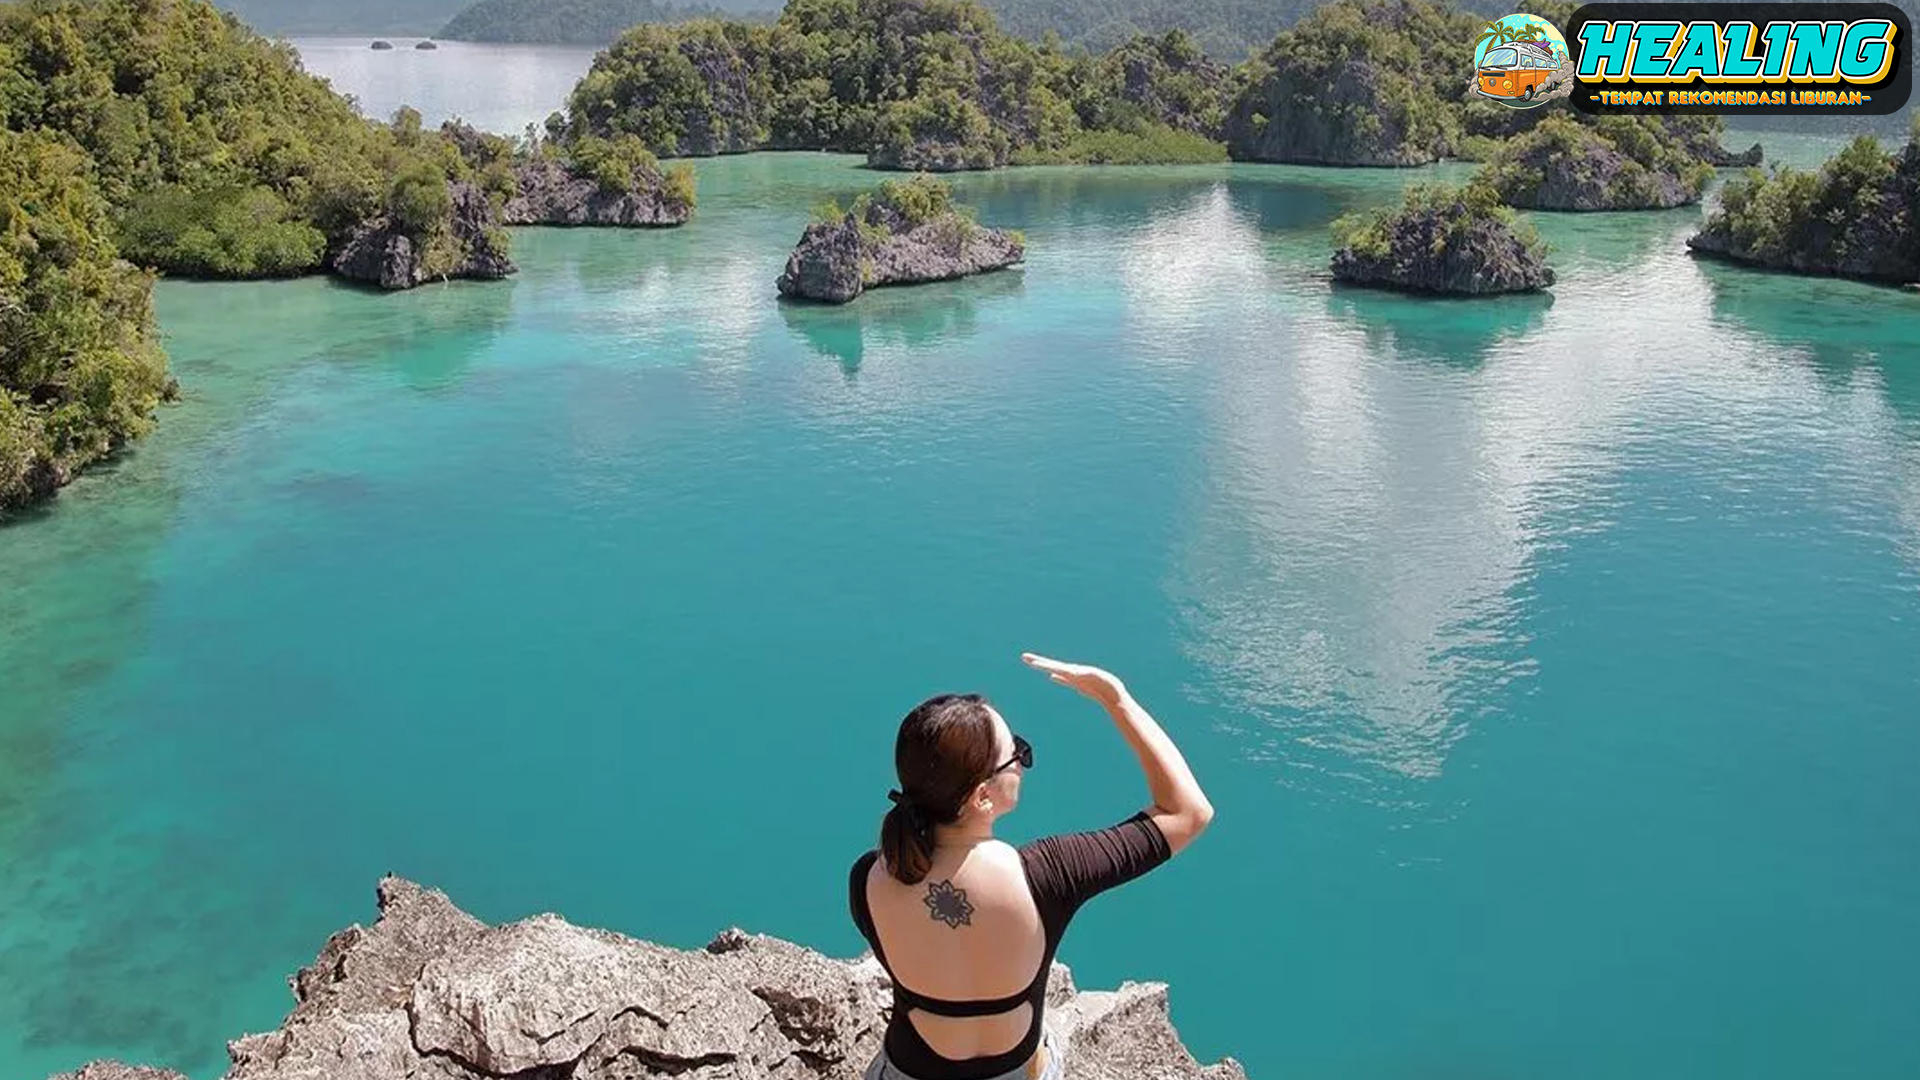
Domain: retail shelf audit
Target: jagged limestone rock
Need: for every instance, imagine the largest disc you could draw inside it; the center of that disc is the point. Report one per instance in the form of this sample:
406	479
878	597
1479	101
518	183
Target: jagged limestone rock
430	993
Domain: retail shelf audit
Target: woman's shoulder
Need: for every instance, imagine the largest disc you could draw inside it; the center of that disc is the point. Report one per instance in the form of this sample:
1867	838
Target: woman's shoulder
1072	867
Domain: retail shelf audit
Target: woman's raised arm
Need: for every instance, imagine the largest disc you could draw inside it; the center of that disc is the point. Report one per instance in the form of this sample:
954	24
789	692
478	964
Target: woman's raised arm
1180	808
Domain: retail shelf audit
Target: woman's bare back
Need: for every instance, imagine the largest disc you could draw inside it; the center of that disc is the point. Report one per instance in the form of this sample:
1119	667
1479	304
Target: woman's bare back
968	932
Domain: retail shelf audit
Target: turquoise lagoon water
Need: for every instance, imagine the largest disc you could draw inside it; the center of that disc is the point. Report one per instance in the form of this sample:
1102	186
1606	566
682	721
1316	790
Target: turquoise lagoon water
1553	662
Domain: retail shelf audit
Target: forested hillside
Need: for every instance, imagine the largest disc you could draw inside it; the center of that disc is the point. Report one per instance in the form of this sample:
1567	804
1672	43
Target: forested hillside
158	134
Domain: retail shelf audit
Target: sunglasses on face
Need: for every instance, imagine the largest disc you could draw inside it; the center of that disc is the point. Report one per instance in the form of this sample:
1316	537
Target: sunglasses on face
1022	755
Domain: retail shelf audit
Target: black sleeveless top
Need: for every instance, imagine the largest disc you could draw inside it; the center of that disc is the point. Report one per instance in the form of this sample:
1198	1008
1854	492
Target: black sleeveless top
1062	872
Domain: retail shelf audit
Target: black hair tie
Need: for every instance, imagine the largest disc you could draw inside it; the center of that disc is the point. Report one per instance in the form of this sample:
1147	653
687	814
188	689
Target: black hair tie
916	820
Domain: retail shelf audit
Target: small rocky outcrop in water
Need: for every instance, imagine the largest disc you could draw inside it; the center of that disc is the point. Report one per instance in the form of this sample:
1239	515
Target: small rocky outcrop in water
383	45
430	992
910	233
395	253
550	193
588	181
1614	163
1745	159
1858	216
1447	240
1696	137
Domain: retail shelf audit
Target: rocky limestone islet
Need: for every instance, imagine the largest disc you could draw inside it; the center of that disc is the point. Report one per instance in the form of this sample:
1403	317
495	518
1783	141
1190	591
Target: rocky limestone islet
1456	241
430	993
589	183
383	252
909	234
1855	216
549	193
1615	163
1365	82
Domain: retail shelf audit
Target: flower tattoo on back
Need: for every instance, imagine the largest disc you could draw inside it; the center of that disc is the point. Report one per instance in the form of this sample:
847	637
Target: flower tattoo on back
948	904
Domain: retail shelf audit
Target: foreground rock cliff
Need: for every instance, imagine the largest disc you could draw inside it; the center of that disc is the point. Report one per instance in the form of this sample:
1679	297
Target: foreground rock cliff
429	991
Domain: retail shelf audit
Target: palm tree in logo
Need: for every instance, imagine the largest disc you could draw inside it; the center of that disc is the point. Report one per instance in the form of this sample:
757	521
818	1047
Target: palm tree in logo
1494	33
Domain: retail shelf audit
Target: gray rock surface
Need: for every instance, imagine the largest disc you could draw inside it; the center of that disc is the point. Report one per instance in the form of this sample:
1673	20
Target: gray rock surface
1159	79
1446	251
114	1070
936	155
379	253
830	263
551	194
837	261
1593	175
430	993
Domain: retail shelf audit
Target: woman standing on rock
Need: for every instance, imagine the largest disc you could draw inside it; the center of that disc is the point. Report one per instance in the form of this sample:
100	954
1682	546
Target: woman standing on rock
971	923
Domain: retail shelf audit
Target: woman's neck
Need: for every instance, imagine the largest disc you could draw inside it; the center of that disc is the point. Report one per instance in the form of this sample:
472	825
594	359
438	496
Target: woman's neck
962	835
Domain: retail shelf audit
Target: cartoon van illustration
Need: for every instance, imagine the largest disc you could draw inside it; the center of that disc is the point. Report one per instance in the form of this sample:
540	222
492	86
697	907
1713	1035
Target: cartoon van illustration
1518	69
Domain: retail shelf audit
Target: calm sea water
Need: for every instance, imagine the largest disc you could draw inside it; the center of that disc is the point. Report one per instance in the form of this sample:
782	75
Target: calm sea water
498	88
1553	662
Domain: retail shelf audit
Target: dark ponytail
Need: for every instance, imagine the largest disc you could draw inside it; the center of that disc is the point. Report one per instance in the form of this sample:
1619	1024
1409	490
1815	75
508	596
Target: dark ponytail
944	749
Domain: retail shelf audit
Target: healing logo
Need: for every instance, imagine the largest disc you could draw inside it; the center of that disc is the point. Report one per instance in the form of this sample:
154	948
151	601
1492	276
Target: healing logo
1733	58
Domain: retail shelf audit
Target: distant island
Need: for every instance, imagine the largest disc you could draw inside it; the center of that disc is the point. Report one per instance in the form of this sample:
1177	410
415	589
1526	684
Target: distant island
949	92
357	18
1614	163
1226	30
1358	82
385	18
